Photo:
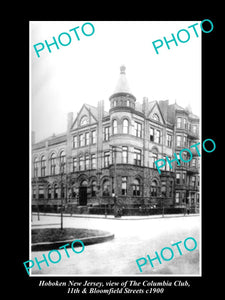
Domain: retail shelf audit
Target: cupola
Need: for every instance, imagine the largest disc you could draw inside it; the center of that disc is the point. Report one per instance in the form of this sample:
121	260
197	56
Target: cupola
122	95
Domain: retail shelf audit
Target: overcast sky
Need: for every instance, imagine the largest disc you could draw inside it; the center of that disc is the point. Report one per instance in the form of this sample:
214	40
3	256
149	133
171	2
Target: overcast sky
87	70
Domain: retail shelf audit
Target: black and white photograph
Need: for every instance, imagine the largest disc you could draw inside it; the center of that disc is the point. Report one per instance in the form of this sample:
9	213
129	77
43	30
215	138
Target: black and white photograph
115	155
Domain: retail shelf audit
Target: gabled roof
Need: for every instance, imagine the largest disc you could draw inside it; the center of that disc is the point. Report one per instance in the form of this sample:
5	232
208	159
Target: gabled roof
153	107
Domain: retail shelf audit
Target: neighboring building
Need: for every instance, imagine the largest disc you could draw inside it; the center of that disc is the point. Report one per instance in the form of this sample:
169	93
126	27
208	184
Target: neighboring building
103	154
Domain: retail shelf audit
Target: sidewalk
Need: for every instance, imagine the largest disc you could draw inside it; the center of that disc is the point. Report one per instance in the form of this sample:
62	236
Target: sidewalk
111	217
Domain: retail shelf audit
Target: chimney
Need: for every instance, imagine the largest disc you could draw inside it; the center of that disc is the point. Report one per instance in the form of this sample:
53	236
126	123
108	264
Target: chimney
69	121
100	110
145	104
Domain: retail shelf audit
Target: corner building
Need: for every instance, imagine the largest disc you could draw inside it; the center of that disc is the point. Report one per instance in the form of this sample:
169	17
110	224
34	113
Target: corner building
105	160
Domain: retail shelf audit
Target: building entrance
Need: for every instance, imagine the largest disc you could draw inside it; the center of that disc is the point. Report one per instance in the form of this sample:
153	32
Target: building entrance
83	193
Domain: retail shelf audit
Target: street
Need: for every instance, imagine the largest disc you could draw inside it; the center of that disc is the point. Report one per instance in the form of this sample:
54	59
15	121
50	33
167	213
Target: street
134	239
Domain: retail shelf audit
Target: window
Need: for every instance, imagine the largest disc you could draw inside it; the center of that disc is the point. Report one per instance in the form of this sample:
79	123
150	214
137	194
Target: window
124	155
74	164
178	140
114	127
170	188
178	178
124	185
151	134
49	192
193	179
86	162
93	161
86	138
177	199
155	117
138	129
179	122
84	121
126	102
182	197
41	192
125	126
43	166
163	188
63	189
81	140
34	192
164	167
137	157
185	123
157	138
154	188
36	167
62	162
167	165
81	163
105	188
75	144
106	159
55	191
106	134
93	188
169	140
184	141
93	136
193	162
154	158
52	164
194	128
183	178
136	187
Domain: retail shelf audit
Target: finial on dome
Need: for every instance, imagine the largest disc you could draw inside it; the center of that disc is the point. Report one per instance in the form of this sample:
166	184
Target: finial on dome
122	69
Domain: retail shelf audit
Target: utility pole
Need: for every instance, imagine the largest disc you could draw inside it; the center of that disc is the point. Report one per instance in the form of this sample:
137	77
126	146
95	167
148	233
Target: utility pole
61	173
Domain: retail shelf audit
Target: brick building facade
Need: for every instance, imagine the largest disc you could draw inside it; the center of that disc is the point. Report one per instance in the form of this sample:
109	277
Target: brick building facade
107	154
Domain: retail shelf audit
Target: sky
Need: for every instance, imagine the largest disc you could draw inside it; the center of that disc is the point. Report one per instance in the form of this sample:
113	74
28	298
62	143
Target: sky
88	69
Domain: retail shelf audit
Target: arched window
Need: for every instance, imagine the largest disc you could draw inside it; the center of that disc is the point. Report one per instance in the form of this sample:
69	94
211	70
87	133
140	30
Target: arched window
84	183
52	164
125	126
84	121
114	127
136	187
55	191
35	167
43	165
62	161
154	188
105	188
93	188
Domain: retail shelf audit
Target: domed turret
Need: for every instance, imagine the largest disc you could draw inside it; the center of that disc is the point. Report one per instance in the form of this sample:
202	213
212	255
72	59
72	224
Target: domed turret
122	95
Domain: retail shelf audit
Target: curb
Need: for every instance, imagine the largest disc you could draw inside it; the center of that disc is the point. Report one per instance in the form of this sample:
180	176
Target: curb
111	217
87	241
